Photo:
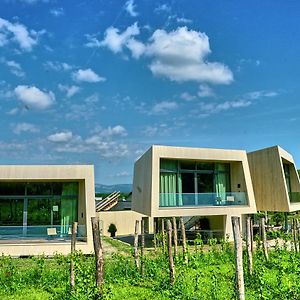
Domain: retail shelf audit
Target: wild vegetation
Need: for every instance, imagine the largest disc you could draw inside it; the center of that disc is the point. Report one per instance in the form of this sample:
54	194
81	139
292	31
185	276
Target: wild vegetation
209	274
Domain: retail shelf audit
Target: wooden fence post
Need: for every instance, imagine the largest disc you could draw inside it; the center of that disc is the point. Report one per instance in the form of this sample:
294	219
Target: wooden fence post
264	238
294	229
136	244
142	247
170	255
249	247
154	235
184	250
175	237
163	235
298	230
238	247
73	245
98	253
251	231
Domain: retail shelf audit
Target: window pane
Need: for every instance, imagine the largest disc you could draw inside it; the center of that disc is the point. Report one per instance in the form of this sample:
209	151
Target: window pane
11	212
168	165
39	188
187	165
12	188
207	166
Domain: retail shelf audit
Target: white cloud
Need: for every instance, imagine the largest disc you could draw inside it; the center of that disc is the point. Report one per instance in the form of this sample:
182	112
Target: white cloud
116	41
205	91
60	137
109	132
25	127
180	55
130	7
259	94
213	108
187	96
70	90
137	48
99	143
162	8
163	107
14	67
18	33
57	12
123	174
57	66
33	97
13	111
87	75
183	20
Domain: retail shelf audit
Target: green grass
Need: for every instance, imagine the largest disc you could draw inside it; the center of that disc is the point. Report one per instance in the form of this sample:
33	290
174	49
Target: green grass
209	274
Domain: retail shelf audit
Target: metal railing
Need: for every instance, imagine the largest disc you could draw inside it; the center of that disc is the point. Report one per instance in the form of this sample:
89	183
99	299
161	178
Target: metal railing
202	199
41	232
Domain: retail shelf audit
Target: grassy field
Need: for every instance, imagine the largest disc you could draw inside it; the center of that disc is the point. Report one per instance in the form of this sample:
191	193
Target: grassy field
209	274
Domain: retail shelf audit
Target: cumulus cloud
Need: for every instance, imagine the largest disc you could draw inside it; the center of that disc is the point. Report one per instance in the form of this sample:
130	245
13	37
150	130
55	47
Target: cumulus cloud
130	7
163	107
101	141
179	55
108	132
187	96
18	33
14	67
60	137
116	41
57	66
33	97
25	127
70	90
205	91
87	75
57	12
260	94
183	20
123	174
213	108
162	8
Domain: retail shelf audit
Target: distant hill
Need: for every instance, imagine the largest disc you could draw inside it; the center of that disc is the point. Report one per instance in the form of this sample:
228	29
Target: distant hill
105	189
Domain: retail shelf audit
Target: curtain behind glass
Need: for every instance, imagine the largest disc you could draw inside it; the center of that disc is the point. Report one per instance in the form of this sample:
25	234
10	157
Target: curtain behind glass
68	206
221	180
168	189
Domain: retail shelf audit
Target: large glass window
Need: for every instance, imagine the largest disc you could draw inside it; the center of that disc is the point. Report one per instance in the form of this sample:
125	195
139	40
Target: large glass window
37	204
187	182
11	212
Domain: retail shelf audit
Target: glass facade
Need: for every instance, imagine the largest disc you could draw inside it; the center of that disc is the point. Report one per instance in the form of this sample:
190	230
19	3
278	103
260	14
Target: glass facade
196	183
29	209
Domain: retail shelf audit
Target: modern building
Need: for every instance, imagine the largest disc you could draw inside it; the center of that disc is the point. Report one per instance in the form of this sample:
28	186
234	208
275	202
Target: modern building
38	205
275	180
206	186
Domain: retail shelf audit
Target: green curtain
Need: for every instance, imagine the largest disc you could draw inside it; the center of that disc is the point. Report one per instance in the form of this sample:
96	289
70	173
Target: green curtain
68	206
168	189
179	185
221	180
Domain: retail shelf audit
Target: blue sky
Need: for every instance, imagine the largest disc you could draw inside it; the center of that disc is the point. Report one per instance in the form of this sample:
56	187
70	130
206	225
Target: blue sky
101	81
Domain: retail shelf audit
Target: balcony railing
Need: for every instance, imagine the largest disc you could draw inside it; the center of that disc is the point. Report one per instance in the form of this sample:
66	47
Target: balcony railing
294	197
42	232
202	199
